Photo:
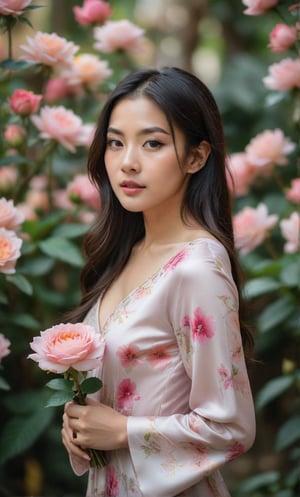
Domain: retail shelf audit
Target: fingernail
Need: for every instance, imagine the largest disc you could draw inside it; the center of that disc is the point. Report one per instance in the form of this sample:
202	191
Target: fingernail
86	457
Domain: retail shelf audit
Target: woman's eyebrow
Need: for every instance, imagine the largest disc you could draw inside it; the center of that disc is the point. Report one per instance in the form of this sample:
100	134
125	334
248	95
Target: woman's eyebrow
145	131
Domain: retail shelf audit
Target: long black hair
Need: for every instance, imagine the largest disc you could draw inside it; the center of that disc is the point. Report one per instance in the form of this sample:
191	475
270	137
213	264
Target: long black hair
188	104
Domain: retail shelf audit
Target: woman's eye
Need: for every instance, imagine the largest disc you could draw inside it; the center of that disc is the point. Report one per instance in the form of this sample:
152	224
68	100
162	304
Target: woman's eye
153	144
113	143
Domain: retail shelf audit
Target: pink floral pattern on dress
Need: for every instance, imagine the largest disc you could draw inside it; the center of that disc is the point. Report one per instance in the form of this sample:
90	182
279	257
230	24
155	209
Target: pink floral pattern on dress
201	326
160	357
236	450
111	483
126	395
129	355
176	259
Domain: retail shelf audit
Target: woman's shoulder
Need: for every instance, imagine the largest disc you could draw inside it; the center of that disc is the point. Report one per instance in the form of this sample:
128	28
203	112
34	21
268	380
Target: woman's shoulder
200	255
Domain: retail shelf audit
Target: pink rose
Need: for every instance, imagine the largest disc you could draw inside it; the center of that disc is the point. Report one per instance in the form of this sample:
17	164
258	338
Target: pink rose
258	7
49	49
57	89
87	70
82	190
13	7
282	37
269	148
10	245
117	35
290	230
24	102
293	194
92	12
10	216
68	345
285	75
242	174
62	125
4	347
8	177
251	227
14	135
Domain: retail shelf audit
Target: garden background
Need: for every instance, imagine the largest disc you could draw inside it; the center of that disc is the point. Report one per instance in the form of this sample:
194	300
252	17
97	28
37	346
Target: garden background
47	203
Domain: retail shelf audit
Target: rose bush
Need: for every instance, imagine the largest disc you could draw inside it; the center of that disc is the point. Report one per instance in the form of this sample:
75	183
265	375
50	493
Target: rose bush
52	90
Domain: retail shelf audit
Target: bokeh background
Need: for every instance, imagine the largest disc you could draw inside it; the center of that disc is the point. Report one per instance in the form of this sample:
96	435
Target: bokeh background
229	51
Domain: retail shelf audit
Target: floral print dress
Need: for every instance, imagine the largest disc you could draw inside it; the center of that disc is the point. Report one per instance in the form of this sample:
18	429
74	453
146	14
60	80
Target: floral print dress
174	365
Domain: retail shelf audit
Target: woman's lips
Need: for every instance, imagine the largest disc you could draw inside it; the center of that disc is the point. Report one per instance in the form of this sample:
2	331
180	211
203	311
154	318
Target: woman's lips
131	188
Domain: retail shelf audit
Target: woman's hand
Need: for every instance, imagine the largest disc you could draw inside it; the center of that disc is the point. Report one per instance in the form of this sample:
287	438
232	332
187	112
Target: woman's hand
93	426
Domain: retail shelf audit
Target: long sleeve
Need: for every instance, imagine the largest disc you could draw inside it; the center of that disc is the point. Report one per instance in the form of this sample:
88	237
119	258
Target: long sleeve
183	448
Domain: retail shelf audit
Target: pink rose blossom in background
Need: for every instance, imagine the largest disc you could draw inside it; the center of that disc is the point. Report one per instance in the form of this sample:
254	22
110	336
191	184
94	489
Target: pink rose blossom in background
282	37
10	250
82	190
62	125
68	345
10	216
293	193
243	173
37	200
269	148
13	7
49	49
201	325
118	35
61	199
284	75
24	102
8	177
251	227
258	7
290	230
92	12
87	70
14	135
28	212
4	346
58	89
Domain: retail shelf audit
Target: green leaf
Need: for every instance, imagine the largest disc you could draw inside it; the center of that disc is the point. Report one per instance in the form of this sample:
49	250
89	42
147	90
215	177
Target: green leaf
38	229
275	314
260	286
19	434
91	385
70	230
261	480
59	398
24	20
20	282
13	159
3	384
15	65
60	384
288	434
61	249
290	274
24	403
24	321
37	266
273	389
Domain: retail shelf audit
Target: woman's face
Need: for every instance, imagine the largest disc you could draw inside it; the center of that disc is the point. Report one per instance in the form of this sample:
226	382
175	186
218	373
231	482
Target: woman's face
145	170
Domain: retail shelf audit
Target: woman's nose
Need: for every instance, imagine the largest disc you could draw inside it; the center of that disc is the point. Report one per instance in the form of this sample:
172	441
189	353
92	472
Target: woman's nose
130	160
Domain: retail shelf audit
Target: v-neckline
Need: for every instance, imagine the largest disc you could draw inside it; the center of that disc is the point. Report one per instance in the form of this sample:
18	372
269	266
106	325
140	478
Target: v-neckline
152	277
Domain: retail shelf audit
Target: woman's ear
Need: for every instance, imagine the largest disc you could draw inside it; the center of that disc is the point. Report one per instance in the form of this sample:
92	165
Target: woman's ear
197	157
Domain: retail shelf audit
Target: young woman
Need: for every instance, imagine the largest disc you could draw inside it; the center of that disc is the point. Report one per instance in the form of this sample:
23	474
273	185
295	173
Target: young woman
161	285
